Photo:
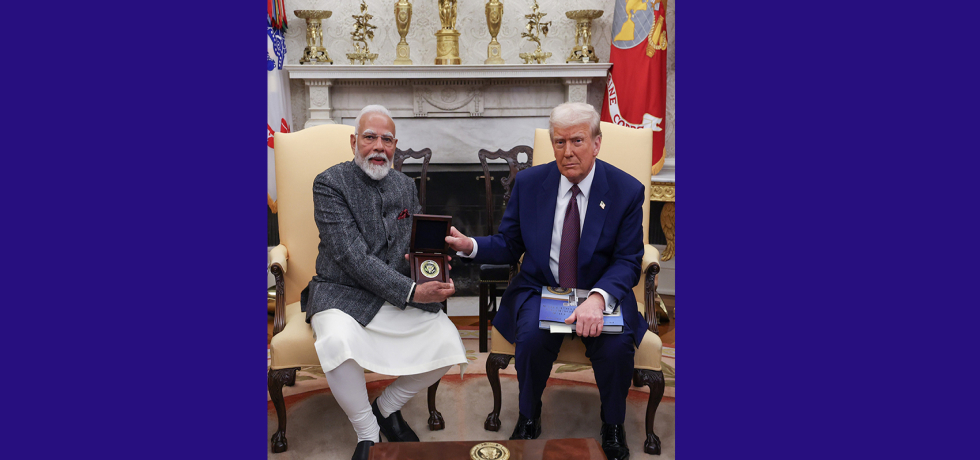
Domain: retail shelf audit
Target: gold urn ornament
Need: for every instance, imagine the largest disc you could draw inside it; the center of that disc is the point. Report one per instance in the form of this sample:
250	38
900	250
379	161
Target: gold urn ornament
495	12
535	28
403	19
314	52
363	31
447	38
583	51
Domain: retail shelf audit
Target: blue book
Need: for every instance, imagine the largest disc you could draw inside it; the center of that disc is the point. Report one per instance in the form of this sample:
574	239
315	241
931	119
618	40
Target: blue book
559	303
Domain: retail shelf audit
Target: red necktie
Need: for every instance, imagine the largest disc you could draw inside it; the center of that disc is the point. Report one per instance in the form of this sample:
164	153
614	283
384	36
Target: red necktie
568	254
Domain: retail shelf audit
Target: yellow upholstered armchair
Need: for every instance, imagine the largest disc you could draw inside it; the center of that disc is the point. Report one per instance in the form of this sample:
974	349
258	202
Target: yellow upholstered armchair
300	156
630	150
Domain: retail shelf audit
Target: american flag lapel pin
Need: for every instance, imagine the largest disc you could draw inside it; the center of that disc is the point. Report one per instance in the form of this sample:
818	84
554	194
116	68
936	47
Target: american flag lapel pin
602	204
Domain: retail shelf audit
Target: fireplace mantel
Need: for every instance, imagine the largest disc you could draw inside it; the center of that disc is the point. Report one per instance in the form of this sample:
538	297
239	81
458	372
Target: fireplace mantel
391	72
336	92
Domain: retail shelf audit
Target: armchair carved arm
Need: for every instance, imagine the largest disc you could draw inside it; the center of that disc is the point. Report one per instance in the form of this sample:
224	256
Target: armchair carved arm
650	267
277	265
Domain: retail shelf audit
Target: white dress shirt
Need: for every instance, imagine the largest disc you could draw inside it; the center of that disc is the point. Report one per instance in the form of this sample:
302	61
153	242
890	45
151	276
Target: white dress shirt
564	195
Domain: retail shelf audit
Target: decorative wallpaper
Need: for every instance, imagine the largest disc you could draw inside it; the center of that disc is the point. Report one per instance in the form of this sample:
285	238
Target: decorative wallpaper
472	24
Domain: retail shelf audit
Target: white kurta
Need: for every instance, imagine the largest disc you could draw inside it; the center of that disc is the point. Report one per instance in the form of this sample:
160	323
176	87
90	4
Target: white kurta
396	342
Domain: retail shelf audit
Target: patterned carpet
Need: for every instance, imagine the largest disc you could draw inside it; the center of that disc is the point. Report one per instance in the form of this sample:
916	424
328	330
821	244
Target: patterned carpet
318	428
311	378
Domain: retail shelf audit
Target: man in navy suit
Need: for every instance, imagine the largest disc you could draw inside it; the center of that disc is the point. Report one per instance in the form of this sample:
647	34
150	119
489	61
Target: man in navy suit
578	223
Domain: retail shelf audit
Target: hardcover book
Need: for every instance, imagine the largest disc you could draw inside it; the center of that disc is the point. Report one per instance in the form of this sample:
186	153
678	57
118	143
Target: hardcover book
559	303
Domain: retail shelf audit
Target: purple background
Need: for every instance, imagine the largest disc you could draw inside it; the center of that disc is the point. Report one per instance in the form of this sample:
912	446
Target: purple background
824	157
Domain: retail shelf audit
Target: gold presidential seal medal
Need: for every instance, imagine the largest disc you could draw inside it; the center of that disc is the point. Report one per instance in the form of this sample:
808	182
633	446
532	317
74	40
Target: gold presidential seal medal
559	290
430	269
489	451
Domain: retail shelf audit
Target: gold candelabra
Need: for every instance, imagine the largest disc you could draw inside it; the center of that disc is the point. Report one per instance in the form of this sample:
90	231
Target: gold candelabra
363	31
314	52
495	12
583	51
447	38
534	29
403	19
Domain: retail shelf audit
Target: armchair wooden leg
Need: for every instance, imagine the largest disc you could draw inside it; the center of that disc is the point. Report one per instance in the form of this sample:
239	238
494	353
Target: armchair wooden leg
277	378
655	379
436	422
495	362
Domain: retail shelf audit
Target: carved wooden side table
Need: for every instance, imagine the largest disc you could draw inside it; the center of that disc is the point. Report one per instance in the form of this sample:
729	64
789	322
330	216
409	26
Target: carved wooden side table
664	191
535	449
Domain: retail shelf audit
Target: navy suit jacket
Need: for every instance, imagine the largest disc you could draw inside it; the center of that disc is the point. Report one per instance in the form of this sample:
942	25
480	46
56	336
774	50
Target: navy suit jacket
610	248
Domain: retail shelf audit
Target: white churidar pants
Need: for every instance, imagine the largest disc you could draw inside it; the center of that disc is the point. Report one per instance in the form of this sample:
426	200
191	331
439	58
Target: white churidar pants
416	345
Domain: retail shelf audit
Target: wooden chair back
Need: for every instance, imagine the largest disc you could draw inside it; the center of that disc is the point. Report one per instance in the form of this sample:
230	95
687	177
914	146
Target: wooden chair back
514	163
425	155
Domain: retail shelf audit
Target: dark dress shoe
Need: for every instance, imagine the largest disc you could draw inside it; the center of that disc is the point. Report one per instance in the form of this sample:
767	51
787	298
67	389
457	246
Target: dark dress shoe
614	442
394	427
362	450
527	428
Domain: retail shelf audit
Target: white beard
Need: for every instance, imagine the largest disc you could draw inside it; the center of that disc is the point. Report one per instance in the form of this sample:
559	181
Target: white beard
376	172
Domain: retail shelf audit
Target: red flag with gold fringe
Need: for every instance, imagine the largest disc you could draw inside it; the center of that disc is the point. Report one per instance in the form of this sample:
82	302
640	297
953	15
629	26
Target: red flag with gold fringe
636	91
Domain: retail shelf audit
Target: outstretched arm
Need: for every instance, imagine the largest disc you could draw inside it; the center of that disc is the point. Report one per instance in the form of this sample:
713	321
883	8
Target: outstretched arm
507	246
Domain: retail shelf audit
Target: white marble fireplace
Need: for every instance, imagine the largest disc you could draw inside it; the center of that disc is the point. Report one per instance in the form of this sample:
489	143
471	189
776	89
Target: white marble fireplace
453	110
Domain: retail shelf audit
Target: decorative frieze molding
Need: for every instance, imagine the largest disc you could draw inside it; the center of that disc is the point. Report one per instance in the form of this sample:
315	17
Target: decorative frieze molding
448	100
369	82
660	191
527	81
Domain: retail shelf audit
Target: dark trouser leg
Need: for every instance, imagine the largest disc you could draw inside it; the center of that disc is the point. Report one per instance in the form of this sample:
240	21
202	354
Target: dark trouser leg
535	352
612	361
484	308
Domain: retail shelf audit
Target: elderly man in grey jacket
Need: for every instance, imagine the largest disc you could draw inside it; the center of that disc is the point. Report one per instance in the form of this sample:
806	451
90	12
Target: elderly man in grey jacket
365	311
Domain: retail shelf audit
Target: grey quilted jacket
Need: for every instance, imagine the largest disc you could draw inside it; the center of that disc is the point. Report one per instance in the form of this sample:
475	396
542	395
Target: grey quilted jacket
361	261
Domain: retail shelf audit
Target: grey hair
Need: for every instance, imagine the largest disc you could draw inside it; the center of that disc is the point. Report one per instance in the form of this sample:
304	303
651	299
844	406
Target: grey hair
374	108
573	114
